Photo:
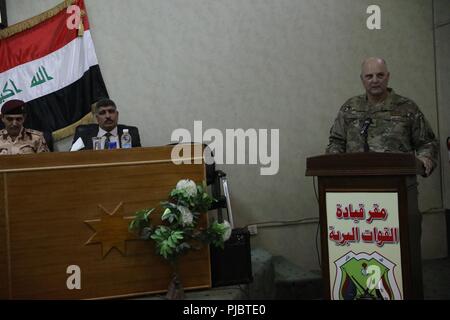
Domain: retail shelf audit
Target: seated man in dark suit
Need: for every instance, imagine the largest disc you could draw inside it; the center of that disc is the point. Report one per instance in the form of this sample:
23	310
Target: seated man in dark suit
107	128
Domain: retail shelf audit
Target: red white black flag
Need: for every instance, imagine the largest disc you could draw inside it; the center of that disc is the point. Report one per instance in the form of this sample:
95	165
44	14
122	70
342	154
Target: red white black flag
49	61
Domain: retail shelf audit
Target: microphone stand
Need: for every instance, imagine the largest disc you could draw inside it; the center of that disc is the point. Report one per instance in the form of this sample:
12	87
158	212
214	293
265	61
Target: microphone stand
364	133
366	144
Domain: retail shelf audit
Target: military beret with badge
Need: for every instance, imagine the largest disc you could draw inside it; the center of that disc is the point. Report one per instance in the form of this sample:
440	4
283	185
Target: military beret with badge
13	107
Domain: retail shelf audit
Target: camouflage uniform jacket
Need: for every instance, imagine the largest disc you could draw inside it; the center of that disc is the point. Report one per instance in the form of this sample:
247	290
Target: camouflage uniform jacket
28	141
398	125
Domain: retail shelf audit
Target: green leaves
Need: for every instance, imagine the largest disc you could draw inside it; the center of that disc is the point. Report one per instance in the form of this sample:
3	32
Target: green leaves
215	234
178	231
182	196
202	199
170	214
168	241
141	220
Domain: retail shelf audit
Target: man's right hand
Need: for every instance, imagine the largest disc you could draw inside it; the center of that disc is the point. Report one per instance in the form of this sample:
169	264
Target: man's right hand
427	164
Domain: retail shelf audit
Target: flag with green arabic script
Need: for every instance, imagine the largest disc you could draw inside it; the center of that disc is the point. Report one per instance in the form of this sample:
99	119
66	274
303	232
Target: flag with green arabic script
49	61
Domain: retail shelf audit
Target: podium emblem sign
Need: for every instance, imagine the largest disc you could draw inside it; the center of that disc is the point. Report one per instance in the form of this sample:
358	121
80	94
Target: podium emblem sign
364	245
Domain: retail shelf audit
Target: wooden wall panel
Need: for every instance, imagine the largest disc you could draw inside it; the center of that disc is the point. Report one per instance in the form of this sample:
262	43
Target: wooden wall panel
4	287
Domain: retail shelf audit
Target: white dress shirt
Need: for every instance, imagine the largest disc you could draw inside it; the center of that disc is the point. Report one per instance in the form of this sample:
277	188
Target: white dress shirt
114	136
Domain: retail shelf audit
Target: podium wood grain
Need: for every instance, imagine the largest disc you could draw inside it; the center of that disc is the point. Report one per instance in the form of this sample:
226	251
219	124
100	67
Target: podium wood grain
45	202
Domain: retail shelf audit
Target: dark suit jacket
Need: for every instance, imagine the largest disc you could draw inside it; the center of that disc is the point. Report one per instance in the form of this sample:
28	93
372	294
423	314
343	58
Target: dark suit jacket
88	131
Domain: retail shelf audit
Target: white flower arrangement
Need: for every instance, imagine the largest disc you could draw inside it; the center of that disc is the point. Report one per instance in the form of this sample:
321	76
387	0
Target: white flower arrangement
188	186
186	216
179	231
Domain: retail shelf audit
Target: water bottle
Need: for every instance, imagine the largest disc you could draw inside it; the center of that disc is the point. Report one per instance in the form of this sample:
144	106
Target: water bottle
125	140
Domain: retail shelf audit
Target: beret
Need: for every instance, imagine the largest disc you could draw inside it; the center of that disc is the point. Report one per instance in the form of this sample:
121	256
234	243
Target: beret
13	107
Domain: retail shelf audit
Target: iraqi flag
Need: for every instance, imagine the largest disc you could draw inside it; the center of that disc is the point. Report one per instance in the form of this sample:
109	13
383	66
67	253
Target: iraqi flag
49	61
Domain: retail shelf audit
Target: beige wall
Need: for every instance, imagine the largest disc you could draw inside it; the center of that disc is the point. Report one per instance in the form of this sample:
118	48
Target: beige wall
442	29
434	242
285	65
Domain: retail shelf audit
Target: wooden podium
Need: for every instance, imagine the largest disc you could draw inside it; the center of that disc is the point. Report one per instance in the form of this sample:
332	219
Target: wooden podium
60	210
370	225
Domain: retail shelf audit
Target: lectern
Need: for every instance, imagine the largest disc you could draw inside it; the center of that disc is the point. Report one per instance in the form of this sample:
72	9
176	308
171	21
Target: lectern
370	225
67	214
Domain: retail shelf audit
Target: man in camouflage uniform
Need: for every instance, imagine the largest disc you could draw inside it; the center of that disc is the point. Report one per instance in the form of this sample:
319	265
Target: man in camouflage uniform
15	139
393	123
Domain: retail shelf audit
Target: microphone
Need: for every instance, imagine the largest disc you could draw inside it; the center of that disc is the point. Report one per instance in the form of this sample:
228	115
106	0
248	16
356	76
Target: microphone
365	126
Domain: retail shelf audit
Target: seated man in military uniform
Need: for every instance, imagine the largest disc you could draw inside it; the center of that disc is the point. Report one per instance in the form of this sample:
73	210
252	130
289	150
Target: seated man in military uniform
15	139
